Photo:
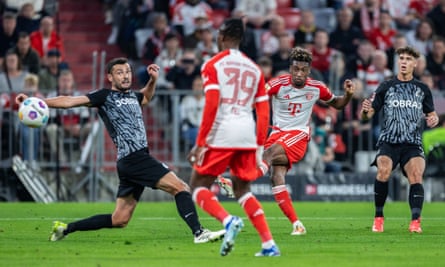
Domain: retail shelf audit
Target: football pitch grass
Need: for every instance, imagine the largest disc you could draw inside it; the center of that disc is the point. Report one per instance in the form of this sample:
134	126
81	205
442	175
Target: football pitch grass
339	234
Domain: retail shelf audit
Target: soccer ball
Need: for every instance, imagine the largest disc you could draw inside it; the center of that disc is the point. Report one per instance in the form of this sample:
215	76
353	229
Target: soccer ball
33	112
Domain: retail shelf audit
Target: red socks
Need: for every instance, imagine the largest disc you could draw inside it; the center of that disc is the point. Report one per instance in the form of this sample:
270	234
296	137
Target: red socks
284	201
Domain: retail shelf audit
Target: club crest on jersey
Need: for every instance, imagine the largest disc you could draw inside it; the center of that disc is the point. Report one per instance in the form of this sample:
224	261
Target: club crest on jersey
309	96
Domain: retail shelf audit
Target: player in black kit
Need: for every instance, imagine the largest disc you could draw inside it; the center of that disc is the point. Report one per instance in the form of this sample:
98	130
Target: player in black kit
405	104
121	112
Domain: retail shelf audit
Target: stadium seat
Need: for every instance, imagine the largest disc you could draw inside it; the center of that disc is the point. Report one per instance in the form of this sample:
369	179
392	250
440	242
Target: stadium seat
325	18
310	5
218	17
284	4
291	17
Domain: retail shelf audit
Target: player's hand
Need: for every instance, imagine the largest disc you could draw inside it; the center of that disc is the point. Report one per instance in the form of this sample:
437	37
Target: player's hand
20	98
349	87
259	155
153	71
196	155
432	121
366	106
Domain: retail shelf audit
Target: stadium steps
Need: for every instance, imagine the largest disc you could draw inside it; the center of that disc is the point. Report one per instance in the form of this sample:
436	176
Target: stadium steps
82	27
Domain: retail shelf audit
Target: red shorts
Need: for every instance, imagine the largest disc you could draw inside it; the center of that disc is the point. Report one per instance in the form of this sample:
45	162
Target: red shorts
293	142
242	163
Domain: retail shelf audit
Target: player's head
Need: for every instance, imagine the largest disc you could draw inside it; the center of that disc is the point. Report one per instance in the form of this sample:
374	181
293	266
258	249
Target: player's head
407	59
119	74
230	33
300	61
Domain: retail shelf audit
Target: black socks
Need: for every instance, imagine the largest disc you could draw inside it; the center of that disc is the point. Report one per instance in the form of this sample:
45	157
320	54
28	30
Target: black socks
380	194
416	196
187	211
92	223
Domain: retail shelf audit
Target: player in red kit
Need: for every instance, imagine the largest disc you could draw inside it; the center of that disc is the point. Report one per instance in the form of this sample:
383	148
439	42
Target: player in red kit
293	97
230	137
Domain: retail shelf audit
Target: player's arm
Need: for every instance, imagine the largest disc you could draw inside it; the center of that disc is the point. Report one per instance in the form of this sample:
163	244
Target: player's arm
340	102
59	101
150	87
208	116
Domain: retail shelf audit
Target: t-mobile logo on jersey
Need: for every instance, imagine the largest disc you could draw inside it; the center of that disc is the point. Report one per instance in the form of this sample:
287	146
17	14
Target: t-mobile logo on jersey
294	108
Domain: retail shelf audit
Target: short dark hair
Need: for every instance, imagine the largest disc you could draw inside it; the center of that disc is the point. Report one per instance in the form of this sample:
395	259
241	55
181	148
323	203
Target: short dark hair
408	50
300	54
233	28
115	61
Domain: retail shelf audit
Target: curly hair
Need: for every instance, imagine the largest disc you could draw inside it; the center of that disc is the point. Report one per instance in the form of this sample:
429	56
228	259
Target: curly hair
300	54
233	28
408	50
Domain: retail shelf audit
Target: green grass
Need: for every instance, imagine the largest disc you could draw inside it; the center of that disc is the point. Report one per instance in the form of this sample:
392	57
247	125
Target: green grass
339	234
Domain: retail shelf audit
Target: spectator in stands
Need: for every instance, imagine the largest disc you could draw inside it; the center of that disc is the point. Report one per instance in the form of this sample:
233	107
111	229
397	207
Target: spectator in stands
185	14
270	43
46	38
382	36
304	35
191	108
248	44
377	72
404	17
170	55
265	63
346	37
437	16
322	54
12	79
399	41
207	47
428	79
324	118
30	138
15	5
155	42
27	19
356	133
191	40
420	67
258	12
184	72
280	59
8	34
367	17
421	38
28	57
72	124
358	67
49	73
435	60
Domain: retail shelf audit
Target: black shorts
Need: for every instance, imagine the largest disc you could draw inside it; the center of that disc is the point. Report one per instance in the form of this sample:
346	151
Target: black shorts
137	171
399	153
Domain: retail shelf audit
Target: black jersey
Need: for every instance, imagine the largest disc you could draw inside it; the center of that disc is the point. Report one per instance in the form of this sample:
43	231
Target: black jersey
122	115
404	105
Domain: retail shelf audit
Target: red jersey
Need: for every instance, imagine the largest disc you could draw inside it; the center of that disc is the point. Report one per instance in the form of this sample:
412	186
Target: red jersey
234	86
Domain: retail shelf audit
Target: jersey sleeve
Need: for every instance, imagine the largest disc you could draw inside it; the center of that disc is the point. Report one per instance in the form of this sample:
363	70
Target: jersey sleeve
208	116
325	93
273	86
262	111
140	97
378	97
98	97
428	103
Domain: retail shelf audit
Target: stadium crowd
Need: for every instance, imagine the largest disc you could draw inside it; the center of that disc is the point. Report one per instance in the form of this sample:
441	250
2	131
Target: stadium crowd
349	39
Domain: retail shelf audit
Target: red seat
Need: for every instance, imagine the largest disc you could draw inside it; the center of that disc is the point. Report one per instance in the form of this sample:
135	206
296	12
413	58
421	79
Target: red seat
218	17
284	3
291	17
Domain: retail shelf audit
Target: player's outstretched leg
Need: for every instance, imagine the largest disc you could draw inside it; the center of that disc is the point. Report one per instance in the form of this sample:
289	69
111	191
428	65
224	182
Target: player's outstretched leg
57	231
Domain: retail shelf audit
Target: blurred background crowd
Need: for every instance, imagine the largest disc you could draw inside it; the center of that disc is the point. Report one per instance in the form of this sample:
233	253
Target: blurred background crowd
349	39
